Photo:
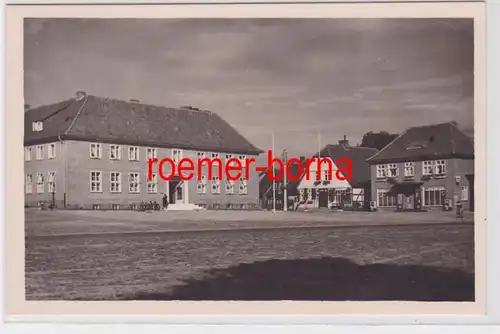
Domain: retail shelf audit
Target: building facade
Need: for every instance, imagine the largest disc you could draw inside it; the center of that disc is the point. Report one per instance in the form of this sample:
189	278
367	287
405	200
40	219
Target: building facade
425	168
92	153
331	191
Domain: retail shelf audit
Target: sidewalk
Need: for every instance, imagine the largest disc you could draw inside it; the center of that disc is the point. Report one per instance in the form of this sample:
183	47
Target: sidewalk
93	222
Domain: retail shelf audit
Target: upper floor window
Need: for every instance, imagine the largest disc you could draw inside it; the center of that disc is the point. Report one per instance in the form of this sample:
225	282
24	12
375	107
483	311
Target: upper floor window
151	152
52	151
440	167
427	168
29	183
133	180
392	170
214	155
39	152
176	155
115	152
95	151
95	181
201	155
133	153
381	171
27	154
37	126
115	182
242	160
409	169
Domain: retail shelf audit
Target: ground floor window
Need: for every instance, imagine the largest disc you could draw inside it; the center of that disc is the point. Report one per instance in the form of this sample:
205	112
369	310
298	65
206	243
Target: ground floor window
339	196
434	196
52	182
39	183
29	183
153	184
385	199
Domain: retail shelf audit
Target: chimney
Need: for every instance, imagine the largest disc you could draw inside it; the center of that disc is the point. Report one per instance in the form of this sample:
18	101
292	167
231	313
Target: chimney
80	95
134	100
26	107
344	142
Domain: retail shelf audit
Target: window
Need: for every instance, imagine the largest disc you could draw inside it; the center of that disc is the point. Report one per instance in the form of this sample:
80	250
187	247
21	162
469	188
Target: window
39	183
95	151
242	159
427	168
37	126
243	189
153	184
52	151
176	155
440	167
39	152
201	187
29	184
115	182
27	154
215	185
133	153
305	195
201	155
381	171
434	196
133	183
151	152
229	156
409	169
115	152
95	182
51	183
385	199
464	193
325	175
392	170
339	195
215	155
230	187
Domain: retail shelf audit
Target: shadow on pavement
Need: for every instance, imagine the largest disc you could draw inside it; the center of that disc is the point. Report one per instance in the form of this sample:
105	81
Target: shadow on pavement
323	279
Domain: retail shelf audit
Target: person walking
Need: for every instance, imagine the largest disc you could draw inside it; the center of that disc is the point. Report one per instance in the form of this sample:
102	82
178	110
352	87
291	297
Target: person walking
460	210
164	202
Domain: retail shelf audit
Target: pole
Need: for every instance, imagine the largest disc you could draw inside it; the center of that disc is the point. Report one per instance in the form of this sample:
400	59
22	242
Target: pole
285	195
274	182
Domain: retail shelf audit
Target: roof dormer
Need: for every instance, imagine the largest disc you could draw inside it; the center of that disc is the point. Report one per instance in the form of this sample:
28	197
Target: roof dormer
37	126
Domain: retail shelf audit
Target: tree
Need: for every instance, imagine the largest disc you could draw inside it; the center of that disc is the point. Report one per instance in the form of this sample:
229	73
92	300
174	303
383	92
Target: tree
377	140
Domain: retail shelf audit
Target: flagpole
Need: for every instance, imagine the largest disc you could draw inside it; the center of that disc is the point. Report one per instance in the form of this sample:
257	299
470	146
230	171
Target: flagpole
285	195
274	182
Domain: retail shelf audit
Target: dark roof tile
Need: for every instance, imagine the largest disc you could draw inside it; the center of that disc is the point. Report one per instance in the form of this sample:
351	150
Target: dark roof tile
442	140
103	119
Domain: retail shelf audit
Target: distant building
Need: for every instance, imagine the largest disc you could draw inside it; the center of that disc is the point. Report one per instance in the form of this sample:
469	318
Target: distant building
335	193
92	152
426	167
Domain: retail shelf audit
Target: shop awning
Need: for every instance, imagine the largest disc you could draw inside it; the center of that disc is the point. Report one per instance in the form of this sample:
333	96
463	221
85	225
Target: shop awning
407	187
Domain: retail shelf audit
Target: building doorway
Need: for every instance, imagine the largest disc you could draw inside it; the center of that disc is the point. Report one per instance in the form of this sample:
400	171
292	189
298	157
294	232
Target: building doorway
175	191
323	198
470	178
409	202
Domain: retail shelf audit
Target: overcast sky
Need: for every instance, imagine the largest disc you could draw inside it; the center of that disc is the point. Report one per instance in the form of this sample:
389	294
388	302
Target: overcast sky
293	76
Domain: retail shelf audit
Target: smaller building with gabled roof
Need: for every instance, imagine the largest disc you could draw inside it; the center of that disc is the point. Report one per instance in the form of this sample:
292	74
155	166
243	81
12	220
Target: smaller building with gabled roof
330	191
426	167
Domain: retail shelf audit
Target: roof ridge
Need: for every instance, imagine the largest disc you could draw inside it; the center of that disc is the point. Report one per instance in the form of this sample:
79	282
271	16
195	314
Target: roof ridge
392	142
76	116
